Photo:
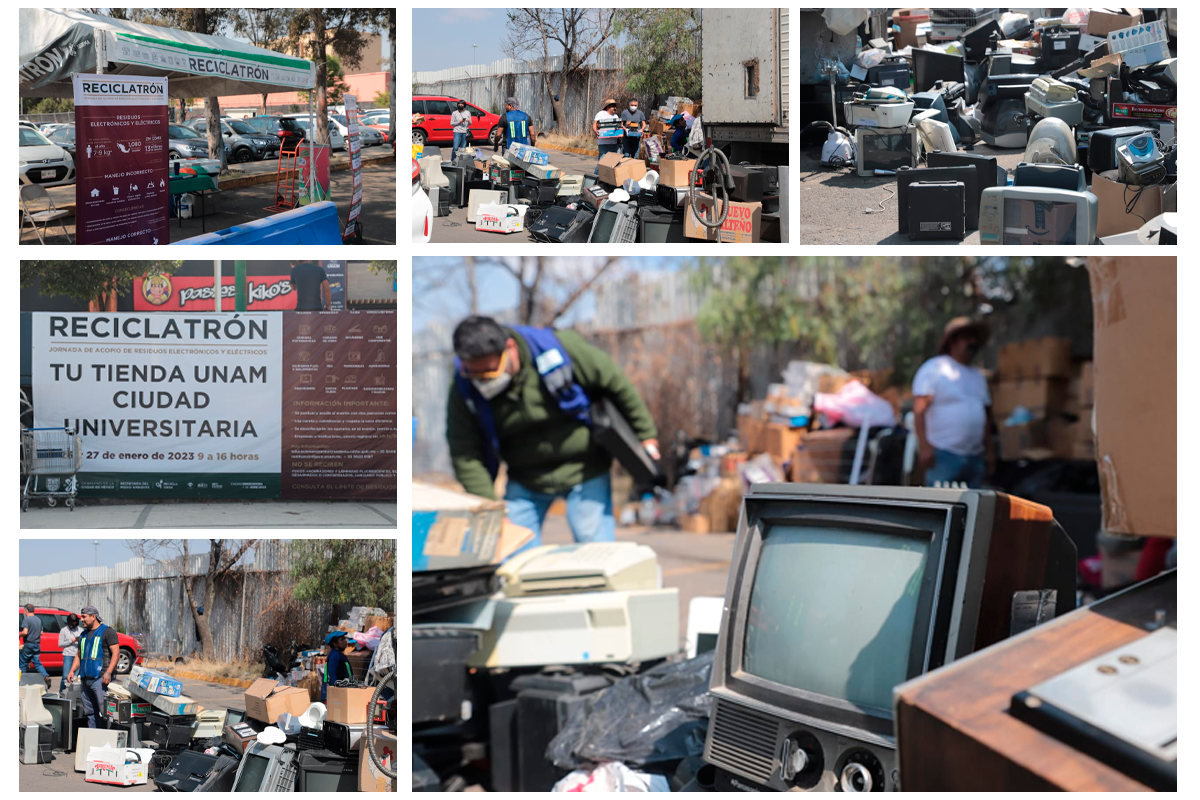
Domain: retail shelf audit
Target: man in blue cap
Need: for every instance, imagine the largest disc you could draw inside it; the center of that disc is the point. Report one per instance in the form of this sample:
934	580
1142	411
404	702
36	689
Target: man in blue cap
515	126
337	666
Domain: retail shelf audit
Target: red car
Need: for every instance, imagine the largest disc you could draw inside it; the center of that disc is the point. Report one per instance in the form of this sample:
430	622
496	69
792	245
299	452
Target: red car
485	126
54	620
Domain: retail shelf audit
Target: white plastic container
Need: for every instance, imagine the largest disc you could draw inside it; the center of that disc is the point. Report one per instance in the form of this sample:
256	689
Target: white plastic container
187	202
879	115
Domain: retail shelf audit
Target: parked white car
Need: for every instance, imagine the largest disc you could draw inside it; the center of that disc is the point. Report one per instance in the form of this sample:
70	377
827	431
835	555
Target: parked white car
43	162
369	136
337	141
422	209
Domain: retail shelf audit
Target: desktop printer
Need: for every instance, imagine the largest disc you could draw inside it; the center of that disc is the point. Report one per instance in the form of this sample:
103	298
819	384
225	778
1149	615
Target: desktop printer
576	604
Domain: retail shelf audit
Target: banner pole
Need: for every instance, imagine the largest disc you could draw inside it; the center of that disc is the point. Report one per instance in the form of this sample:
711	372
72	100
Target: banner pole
217	284
239	281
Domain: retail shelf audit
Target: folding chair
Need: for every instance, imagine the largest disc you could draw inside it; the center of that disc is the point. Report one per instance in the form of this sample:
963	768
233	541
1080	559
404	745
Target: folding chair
33	194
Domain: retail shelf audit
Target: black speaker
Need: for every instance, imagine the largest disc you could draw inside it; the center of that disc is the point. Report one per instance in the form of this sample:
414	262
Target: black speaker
937	210
545	704
748	185
966	175
987	169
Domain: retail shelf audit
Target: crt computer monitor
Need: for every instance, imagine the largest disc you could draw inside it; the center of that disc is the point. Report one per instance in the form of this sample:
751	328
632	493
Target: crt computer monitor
62	711
836	595
886	148
267	768
1038	215
324	771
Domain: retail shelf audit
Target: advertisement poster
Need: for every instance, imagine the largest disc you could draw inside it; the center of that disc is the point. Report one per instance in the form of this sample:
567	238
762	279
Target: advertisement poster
339	401
335	271
306	163
354	148
195	293
165	404
121	188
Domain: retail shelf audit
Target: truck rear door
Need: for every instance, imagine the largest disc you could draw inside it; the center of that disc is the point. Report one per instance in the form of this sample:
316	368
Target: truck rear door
742	66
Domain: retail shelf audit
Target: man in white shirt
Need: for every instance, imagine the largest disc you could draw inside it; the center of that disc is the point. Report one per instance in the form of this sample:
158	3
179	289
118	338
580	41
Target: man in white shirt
953	409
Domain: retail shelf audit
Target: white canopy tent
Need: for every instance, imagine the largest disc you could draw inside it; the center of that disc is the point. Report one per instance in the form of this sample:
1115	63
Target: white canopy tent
57	42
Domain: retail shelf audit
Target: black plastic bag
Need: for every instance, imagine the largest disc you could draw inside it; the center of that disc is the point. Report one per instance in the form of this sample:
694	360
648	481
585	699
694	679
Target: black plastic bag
654	718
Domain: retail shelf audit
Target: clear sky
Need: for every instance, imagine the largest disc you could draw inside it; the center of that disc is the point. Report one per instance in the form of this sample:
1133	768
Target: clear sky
47	556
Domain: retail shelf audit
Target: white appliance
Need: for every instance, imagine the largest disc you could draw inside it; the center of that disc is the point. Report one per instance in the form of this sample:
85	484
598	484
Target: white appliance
591	567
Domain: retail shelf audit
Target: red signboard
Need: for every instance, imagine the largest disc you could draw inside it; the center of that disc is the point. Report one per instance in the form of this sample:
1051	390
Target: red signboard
1144	111
175	293
121	182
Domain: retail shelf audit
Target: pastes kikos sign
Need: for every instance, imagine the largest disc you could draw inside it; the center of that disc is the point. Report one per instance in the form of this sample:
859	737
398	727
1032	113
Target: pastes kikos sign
195	293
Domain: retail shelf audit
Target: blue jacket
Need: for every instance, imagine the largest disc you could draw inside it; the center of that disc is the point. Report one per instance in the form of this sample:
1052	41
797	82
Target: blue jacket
91	653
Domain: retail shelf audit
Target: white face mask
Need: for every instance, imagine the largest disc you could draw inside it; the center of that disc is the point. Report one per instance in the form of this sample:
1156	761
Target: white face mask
494	387
633	109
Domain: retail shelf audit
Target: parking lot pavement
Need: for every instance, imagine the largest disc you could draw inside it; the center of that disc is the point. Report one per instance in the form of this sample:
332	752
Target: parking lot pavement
245	204
839	207
248	514
697	564
60	775
457	230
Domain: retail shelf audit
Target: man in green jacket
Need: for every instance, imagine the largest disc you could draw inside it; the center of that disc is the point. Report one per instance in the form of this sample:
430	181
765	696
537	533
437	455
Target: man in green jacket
549	453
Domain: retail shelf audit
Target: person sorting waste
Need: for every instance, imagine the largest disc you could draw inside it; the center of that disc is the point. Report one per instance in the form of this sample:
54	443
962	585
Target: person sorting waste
953	409
634	124
515	127
98	650
520	395
607	127
337	666
680	137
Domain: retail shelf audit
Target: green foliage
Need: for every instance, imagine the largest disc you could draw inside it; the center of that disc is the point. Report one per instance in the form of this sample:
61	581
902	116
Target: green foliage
46	105
335	571
662	52
335	81
384	268
383	98
84	281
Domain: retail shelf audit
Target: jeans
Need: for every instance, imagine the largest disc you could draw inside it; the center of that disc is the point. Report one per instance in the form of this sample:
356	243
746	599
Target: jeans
29	655
461	140
589	510
952	468
605	149
93	702
630	145
66	670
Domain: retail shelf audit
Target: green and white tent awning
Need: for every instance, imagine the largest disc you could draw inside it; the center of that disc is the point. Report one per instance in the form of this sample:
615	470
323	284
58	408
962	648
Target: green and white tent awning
57	42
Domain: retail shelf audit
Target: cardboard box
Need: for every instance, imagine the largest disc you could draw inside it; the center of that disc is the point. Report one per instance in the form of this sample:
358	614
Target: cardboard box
1102	22
723	505
743	224
1087	384
1112	197
820	457
118	766
1134	312
370	778
731	465
1047	357
500	218
694	523
383	623
1022	441
266	699
527	153
1141	45
348	706
174	706
781	441
156	682
615	169
674	172
657	126
1043	397
1072	440
750	433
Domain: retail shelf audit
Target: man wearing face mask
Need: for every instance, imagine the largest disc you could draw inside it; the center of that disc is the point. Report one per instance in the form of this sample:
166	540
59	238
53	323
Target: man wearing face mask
634	122
953	409
520	396
460	121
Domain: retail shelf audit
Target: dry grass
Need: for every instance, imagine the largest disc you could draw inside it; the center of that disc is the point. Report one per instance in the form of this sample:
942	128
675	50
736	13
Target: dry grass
581	142
238	670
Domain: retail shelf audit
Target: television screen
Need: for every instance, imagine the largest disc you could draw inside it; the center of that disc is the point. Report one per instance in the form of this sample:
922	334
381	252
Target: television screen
888	150
604	226
254	768
832	611
341	781
1039	222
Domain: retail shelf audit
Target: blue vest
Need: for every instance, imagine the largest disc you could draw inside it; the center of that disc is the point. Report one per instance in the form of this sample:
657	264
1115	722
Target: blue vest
91	653
518	127
553	365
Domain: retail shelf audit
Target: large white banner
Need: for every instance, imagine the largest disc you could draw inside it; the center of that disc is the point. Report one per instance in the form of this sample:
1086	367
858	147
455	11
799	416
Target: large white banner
163	393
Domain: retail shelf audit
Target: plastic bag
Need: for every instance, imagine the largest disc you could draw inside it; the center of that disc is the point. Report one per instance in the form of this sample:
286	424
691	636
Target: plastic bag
370	639
612	777
856	405
1011	22
656	717
845	20
1076	16
870	58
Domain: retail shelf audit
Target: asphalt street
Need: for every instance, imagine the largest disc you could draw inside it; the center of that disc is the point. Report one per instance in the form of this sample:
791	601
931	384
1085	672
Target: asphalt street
698	564
60	774
456	229
238	206
260	514
839	207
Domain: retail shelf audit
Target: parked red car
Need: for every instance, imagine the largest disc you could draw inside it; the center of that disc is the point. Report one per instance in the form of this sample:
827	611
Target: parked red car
54	620
485	126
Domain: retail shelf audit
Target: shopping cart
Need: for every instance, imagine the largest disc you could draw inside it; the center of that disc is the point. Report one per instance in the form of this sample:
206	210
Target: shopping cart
51	457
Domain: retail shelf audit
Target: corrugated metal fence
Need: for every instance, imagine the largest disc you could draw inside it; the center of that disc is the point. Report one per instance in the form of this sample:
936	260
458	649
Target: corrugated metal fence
432	371
487	85
149	598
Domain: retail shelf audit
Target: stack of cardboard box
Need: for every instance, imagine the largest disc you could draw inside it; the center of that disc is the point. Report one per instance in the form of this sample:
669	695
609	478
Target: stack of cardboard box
1039	376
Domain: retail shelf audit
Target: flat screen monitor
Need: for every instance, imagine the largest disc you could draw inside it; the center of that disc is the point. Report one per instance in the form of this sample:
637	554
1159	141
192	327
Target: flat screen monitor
929	67
1036	215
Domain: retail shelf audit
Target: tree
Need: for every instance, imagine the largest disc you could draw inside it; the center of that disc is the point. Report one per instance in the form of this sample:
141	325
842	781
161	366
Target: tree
393	131
212	105
384	268
262	27
46	105
580	32
223	556
662	52
324	28
383	98
334	572
94	282
335	82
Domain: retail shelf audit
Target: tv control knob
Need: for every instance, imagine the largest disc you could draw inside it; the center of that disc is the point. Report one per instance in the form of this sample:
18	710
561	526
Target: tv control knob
856	778
797	762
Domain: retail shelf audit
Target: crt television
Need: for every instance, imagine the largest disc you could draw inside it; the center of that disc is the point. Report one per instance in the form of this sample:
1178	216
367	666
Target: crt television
886	148
62	711
323	771
836	595
267	768
1037	215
